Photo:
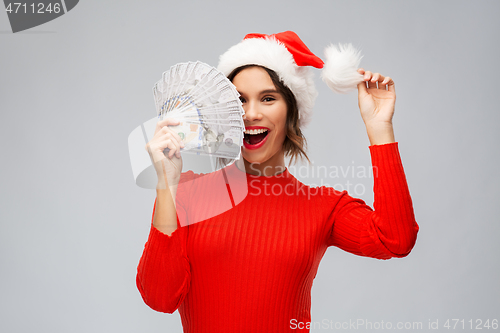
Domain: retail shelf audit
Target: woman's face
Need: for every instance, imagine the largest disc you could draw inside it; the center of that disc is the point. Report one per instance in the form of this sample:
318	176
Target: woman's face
265	116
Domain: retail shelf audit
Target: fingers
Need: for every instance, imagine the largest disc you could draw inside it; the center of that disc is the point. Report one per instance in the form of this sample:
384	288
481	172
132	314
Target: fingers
171	141
362	84
165	141
173	146
362	88
164	130
376	80
166	122
389	83
368	77
169	121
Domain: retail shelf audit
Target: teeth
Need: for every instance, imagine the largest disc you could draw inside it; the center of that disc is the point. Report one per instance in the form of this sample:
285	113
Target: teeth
255	131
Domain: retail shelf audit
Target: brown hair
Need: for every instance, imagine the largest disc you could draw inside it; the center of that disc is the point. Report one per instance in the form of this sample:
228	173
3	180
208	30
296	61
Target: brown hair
295	142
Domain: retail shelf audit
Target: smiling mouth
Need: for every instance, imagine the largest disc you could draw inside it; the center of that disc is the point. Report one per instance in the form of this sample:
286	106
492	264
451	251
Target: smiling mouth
253	137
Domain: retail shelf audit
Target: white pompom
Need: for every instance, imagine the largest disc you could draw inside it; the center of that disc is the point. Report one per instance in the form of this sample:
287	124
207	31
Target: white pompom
340	71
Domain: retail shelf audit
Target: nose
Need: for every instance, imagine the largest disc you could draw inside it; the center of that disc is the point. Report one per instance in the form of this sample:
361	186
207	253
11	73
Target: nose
252	112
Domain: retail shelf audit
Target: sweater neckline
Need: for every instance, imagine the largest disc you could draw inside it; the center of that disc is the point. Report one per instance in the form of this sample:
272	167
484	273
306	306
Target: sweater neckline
284	176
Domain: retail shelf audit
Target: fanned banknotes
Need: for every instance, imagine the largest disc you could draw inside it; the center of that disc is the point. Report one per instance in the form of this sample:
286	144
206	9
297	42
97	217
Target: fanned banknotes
207	105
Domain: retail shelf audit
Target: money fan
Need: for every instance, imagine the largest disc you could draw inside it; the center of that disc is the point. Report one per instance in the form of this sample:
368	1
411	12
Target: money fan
208	107
211	126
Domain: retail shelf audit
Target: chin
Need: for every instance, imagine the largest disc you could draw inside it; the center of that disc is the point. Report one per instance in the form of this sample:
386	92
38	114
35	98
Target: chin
254	159
260	157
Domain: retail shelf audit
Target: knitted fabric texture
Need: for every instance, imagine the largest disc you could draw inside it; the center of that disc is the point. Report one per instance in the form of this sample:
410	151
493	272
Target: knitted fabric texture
251	268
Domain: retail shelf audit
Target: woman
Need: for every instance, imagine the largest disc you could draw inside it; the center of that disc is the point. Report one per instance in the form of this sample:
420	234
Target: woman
251	268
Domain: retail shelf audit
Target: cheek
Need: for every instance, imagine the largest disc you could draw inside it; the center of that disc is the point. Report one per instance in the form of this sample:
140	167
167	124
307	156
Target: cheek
283	119
281	123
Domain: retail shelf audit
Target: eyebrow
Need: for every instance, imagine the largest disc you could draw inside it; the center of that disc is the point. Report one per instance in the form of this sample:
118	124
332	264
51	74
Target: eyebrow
267	91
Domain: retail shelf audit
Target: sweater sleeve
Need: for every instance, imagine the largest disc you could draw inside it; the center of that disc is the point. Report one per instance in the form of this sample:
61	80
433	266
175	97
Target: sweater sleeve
163	273
388	231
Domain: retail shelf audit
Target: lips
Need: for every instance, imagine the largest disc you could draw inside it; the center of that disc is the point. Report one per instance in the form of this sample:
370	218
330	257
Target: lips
255	137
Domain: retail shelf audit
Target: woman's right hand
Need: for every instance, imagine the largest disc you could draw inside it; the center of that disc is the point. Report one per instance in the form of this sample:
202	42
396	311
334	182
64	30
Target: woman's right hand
168	168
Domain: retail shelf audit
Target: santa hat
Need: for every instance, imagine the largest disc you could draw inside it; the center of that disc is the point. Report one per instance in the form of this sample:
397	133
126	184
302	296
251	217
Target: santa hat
289	57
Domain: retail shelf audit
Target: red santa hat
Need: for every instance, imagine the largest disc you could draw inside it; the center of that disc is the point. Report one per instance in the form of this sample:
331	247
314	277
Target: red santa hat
289	57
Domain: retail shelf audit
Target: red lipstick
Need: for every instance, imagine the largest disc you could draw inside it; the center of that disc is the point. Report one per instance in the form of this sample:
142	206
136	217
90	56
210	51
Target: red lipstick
260	144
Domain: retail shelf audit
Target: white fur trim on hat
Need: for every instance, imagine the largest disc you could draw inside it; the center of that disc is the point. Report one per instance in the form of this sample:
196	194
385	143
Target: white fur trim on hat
272	54
340	72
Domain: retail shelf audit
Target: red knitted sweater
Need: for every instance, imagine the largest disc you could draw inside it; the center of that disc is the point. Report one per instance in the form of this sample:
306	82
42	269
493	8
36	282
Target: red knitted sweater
251	268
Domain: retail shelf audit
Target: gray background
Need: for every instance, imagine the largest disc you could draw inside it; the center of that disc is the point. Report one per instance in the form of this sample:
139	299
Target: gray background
73	223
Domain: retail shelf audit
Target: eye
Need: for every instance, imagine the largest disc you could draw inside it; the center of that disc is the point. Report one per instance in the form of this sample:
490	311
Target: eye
242	100
269	99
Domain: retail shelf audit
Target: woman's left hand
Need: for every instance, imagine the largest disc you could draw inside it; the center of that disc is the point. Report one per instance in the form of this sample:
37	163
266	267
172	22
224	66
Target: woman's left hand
376	103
